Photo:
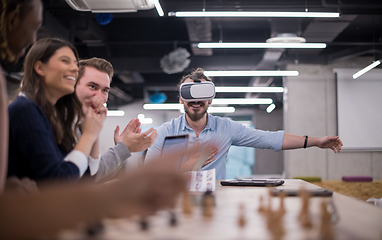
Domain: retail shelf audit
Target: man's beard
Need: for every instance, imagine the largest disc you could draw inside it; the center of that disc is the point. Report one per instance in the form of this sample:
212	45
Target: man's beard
195	116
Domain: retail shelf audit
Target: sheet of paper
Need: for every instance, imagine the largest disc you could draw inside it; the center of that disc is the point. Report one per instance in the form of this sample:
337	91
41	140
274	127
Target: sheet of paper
202	181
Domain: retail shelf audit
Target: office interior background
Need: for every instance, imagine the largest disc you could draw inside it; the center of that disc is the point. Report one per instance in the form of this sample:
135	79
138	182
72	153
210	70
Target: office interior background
151	51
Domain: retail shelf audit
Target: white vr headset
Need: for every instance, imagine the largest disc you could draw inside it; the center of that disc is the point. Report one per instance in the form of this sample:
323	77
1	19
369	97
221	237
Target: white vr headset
197	91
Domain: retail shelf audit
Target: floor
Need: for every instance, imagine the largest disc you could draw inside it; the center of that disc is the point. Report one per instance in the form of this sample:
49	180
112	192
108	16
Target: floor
359	190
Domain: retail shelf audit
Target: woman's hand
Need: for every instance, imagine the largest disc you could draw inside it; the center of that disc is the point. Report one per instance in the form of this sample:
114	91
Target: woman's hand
93	120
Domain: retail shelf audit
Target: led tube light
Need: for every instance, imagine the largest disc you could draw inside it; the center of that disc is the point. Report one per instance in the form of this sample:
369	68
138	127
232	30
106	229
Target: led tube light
217	110
163	106
366	69
233	89
253	14
250	73
270	108
247	101
159	8
261	45
221	109
216	101
115	113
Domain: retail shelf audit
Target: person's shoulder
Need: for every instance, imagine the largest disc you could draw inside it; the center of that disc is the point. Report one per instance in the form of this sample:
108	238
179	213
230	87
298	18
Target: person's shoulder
21	102
22	105
218	119
173	122
223	122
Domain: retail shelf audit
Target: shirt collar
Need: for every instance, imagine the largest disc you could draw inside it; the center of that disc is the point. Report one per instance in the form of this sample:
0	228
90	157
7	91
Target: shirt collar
211	125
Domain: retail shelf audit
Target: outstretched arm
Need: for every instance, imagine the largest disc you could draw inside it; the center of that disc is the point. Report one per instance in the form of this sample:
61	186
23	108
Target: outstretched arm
293	142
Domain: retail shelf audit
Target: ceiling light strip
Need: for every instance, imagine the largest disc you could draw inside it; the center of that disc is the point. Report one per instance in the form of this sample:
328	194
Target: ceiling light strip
162	106
233	89
261	45
217	110
253	14
115	113
270	108
251	73
159	8
240	101
221	110
216	101
366	69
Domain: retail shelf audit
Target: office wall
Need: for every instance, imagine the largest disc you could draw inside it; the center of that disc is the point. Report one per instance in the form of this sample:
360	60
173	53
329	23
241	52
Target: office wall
310	109
268	161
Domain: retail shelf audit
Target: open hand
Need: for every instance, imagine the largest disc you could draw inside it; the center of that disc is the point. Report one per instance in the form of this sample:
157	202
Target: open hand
132	126
132	137
332	142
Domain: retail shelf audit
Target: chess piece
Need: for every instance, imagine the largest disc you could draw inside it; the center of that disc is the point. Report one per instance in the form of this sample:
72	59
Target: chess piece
281	210
326	231
144	223
241	220
304	216
269	207
186	204
95	228
275	224
208	202
173	219
274	218
261	208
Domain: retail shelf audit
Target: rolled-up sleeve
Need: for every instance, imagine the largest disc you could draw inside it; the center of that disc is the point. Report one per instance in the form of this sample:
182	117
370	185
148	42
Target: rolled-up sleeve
250	137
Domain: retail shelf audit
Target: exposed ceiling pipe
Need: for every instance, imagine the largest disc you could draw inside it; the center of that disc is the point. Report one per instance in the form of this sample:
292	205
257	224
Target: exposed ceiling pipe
344	5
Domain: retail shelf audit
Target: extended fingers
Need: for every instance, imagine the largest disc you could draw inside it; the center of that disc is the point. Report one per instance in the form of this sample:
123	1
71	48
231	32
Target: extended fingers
209	161
116	131
129	127
137	128
147	133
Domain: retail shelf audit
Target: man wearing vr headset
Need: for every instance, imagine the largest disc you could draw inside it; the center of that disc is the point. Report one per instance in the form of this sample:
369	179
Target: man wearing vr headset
196	94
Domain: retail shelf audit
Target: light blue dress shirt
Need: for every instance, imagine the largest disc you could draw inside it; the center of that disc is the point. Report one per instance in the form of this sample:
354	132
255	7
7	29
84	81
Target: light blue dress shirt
219	132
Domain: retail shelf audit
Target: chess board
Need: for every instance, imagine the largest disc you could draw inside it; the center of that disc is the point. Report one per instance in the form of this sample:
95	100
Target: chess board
357	220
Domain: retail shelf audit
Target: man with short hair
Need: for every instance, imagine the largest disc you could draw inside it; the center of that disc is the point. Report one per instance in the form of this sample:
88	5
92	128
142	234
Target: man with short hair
93	85
222	133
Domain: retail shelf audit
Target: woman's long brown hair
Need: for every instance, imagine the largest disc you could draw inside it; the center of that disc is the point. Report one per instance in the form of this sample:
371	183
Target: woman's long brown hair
64	117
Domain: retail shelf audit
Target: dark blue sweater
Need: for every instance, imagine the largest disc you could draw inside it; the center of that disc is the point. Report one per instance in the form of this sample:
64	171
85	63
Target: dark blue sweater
33	151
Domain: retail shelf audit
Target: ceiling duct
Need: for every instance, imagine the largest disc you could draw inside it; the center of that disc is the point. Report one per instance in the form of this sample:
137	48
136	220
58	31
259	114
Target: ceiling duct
199	30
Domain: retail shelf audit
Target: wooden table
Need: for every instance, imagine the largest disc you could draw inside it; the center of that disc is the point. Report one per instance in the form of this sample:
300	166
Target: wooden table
358	220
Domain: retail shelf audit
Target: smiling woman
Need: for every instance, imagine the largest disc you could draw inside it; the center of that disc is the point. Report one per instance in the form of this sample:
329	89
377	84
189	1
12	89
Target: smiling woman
43	141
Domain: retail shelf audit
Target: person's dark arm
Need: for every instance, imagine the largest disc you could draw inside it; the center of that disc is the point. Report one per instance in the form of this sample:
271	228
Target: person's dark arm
32	138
